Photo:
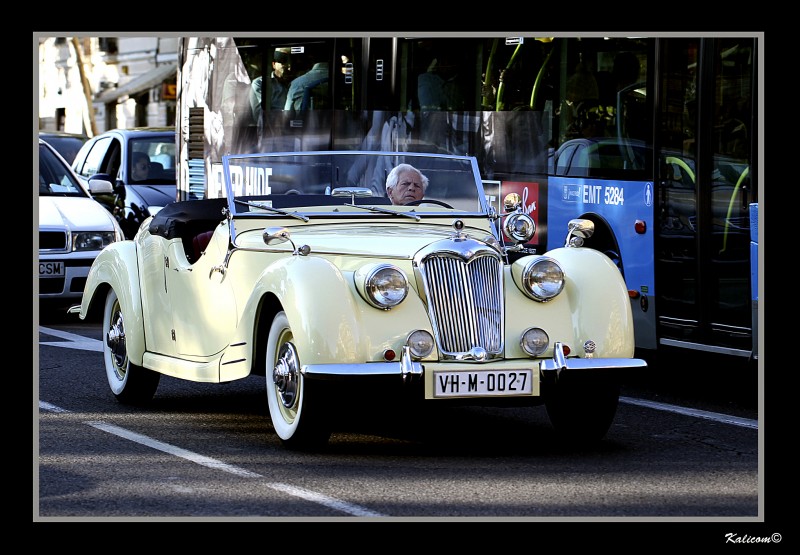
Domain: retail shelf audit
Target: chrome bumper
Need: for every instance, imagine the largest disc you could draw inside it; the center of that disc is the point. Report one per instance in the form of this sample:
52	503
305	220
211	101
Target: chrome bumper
407	367
560	362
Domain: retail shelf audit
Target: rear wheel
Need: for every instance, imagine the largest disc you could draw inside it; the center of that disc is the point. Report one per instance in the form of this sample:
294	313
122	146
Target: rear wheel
295	405
581	408
130	384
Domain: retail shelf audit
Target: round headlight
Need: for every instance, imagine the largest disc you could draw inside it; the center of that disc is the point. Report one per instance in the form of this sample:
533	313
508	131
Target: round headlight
420	342
534	341
519	227
383	285
543	279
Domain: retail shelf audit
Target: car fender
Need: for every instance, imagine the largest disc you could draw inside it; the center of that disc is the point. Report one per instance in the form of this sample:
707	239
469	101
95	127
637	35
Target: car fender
333	324
599	301
116	267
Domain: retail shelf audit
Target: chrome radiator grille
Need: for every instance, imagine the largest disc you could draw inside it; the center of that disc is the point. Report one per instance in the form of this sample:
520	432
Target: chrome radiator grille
465	302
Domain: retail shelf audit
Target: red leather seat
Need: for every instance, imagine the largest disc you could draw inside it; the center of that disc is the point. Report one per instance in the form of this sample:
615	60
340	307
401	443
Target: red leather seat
199	244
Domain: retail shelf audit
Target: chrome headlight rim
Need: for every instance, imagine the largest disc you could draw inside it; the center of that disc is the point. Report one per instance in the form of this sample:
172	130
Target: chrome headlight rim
543	279
520	227
383	286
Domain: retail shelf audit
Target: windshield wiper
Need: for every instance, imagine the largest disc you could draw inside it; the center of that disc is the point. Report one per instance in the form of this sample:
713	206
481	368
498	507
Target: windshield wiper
273	210
385	210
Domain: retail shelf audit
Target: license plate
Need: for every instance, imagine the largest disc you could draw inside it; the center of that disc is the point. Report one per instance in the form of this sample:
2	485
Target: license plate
483	383
51	269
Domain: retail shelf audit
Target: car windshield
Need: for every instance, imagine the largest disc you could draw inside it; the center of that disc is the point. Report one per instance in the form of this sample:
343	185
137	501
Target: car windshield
352	181
152	161
55	178
66	145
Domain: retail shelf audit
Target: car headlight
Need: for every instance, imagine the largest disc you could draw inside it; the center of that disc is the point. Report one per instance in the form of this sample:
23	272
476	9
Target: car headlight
92	240
381	285
542	279
519	227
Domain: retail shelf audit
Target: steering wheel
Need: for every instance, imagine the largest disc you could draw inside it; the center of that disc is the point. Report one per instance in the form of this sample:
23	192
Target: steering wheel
431	201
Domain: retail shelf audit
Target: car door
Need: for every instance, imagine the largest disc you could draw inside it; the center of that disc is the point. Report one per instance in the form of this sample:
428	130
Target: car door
102	155
202	302
189	308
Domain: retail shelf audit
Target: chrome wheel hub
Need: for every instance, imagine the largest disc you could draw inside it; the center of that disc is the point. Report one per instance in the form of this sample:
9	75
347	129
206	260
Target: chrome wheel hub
286	374
115	340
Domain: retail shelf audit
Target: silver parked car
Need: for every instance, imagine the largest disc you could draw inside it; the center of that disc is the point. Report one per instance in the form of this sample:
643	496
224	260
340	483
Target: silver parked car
73	227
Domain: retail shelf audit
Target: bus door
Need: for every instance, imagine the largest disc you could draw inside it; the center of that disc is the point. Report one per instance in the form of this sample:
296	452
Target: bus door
706	184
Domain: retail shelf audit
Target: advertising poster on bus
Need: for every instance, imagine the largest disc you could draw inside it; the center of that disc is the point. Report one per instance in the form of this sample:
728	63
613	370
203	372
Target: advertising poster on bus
496	191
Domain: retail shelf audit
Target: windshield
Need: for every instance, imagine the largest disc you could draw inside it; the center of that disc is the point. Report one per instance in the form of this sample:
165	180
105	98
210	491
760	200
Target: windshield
327	182
152	160
55	178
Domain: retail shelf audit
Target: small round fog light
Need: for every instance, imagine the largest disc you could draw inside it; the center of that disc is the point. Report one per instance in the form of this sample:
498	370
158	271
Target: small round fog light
534	341
420	342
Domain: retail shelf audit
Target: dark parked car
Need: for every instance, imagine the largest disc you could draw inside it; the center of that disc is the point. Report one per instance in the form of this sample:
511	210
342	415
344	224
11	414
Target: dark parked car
118	155
66	144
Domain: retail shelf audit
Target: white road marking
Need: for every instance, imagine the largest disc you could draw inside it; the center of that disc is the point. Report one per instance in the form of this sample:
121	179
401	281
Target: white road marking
724	418
314	497
74	341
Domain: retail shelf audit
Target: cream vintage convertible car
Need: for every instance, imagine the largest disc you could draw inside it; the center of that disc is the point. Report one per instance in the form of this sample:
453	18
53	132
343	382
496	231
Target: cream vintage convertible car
306	274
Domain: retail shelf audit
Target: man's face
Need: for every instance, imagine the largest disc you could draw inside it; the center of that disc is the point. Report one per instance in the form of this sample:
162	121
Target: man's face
281	69
140	169
408	188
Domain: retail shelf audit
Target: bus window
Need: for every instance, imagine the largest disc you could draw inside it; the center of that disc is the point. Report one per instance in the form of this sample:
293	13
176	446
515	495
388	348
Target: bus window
705	190
651	138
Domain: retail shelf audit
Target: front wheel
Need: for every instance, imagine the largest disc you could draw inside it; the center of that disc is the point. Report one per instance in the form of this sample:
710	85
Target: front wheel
131	384
581	408
295	405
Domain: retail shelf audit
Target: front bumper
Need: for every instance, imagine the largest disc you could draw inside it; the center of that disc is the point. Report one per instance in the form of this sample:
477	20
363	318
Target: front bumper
411	371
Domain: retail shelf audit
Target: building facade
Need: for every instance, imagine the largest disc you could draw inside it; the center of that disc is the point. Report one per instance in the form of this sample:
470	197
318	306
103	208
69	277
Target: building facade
131	82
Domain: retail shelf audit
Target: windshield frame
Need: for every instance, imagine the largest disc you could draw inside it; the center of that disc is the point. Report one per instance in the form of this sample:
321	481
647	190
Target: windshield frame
296	184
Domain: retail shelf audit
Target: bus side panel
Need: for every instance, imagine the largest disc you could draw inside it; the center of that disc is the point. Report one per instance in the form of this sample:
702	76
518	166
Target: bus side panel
616	206
754	272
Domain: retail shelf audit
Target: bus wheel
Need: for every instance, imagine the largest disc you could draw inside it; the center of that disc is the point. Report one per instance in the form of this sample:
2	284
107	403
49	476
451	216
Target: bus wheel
295	405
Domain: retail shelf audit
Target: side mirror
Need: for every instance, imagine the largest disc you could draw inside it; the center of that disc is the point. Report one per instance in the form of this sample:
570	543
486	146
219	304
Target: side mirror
99	185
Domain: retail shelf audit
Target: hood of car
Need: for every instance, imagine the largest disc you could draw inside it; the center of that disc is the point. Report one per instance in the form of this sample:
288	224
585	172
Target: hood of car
154	195
75	214
379	239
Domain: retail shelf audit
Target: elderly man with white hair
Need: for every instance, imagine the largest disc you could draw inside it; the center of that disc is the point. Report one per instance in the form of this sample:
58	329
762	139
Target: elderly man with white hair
405	184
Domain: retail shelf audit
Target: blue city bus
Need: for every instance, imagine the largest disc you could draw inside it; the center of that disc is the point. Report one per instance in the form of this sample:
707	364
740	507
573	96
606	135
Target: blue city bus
655	139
